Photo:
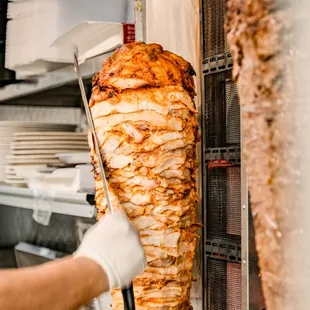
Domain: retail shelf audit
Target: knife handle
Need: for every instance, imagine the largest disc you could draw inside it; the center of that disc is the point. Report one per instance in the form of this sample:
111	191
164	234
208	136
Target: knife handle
128	297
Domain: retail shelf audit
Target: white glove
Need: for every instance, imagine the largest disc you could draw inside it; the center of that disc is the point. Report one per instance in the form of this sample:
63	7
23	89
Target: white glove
114	244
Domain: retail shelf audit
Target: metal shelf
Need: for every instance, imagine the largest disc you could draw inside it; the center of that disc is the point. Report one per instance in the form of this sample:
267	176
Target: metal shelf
77	204
51	80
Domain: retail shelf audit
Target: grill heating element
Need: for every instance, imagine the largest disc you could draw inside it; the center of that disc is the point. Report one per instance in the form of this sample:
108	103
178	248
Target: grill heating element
222	175
223	204
222	186
222	110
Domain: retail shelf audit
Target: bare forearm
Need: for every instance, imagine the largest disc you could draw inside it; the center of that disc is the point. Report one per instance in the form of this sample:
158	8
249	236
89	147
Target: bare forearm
62	285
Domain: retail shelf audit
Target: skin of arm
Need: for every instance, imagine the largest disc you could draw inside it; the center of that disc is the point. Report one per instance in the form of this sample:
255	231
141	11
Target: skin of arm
64	284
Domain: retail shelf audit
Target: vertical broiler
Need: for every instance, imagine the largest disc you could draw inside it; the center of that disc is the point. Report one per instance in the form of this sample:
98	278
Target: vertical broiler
144	116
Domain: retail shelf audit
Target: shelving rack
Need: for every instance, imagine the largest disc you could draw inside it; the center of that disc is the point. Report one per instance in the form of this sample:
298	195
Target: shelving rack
74	204
62	82
58	89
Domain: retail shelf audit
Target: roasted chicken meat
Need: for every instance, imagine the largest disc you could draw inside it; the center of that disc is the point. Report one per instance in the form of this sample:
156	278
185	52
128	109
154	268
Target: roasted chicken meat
145	119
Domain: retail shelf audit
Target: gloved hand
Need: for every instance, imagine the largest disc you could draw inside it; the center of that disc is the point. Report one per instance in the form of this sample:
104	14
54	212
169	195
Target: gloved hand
114	244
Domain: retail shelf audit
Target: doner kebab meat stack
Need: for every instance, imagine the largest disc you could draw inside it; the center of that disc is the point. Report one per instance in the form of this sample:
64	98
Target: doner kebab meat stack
144	115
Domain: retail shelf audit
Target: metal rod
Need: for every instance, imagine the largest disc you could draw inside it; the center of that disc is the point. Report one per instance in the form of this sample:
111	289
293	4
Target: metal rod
244	238
94	134
140	6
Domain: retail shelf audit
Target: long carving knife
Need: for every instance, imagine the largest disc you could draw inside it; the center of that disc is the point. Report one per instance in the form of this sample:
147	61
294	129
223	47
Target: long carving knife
92	127
128	295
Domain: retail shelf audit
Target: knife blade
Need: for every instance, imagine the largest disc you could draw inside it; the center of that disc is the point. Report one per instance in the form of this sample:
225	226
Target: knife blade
92	127
128	293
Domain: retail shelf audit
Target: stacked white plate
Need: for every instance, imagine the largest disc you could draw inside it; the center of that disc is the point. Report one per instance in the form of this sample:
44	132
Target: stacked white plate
37	151
7	130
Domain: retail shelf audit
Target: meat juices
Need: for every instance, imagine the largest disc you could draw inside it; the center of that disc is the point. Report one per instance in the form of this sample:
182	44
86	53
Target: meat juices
144	114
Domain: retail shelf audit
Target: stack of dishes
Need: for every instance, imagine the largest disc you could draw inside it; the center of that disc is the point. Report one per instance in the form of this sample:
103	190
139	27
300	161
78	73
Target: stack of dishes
37	151
7	130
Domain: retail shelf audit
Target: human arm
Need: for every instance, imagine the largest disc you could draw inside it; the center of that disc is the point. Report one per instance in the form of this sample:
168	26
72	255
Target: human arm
110	256
63	284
